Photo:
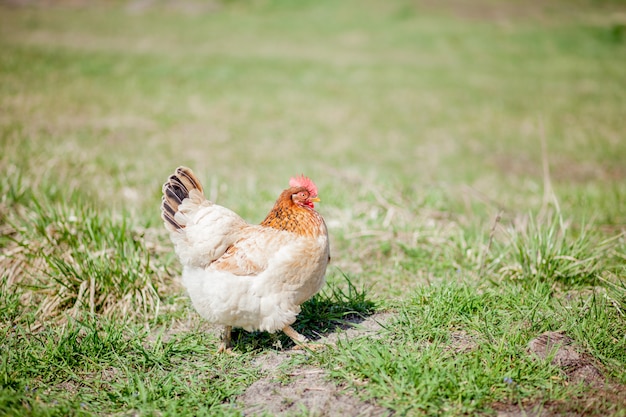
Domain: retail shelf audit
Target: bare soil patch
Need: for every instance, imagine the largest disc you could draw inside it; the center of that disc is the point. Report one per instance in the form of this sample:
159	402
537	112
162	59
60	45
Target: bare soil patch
562	169
577	365
287	390
514	10
603	398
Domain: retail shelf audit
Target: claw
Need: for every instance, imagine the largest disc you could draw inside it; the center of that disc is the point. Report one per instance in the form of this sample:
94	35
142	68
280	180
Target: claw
313	347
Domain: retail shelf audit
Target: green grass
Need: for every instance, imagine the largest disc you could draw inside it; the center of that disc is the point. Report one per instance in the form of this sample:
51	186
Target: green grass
552	252
455	348
469	161
96	367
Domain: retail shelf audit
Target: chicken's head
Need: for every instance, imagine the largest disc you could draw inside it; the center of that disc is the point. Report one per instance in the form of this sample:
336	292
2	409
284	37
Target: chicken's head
305	191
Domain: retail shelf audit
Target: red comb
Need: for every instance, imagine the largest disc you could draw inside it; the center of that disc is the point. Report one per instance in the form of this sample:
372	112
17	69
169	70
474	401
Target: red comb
305	182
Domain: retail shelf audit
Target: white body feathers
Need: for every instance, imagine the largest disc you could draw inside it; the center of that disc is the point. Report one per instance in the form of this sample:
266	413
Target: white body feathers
249	276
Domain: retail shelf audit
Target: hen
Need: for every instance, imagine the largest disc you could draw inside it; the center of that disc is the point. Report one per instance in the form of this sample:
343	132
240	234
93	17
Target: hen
237	274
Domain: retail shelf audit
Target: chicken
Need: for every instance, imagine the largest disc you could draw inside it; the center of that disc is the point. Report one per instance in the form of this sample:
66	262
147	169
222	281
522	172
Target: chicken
241	275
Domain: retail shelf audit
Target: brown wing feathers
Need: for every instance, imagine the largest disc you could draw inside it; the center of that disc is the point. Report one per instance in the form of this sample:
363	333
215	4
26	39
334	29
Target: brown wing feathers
175	190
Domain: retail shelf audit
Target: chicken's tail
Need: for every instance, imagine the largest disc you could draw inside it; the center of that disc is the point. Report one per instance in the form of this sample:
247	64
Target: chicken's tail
181	185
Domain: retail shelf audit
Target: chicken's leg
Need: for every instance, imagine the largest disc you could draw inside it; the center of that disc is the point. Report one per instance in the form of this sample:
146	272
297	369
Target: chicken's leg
294	335
225	345
302	342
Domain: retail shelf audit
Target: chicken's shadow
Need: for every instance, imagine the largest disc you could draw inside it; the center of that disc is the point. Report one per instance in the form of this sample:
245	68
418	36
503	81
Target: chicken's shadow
335	308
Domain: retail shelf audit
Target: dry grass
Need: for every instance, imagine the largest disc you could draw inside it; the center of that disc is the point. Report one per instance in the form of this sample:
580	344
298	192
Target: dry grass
68	262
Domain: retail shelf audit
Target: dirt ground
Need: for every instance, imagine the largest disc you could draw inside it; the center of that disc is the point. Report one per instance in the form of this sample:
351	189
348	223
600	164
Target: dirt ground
290	390
283	392
603	397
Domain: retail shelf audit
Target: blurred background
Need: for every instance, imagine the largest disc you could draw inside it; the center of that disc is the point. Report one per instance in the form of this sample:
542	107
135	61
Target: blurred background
415	118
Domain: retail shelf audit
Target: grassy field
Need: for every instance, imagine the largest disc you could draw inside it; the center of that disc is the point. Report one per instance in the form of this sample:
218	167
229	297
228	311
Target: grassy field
470	161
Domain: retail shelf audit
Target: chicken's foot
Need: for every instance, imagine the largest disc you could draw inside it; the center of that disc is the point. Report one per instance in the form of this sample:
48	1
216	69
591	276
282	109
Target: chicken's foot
301	341
226	339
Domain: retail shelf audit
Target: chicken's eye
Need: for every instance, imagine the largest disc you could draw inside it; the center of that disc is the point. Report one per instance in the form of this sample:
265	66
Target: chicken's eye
301	195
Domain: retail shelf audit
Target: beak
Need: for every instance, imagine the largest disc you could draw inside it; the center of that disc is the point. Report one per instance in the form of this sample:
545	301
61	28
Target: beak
315	199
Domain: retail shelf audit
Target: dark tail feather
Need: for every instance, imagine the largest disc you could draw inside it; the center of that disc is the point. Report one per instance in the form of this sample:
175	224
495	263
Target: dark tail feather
167	216
175	190
188	179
